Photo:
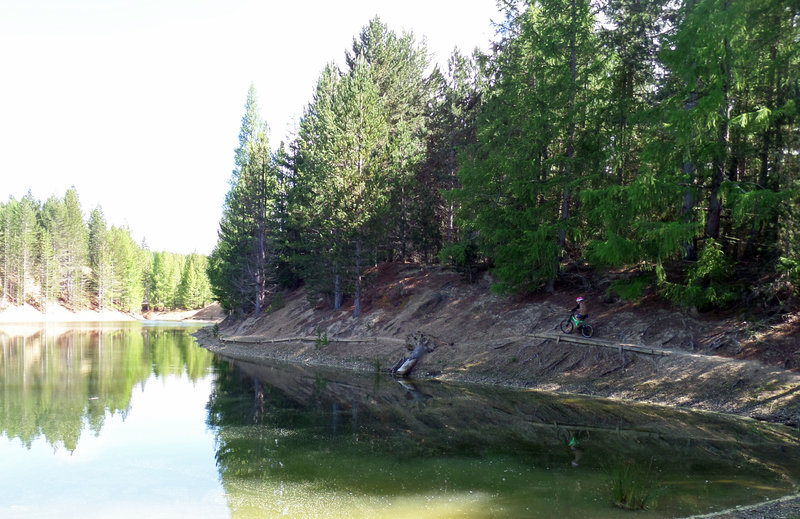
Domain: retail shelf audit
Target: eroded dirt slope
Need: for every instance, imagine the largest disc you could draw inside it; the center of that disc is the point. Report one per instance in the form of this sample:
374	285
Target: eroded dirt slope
701	361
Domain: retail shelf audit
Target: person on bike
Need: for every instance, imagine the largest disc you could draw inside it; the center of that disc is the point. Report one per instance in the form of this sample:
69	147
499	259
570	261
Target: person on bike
583	311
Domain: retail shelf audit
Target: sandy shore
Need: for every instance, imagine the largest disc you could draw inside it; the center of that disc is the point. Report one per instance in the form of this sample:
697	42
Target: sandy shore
59	314
27	314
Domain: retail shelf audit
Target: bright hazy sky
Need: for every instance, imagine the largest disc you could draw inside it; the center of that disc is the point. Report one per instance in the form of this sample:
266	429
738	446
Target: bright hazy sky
138	103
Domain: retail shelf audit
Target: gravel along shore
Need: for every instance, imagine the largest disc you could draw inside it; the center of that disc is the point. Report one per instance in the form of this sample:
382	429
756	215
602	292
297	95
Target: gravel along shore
787	507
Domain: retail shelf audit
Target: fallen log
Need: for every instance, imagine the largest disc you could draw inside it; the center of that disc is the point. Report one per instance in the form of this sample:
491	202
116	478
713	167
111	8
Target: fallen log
259	339
583	341
418	344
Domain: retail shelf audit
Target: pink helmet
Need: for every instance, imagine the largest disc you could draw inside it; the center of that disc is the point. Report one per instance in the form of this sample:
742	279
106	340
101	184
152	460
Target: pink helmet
580	298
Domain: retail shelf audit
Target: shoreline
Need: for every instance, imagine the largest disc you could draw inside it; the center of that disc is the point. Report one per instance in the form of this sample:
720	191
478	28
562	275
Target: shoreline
23	315
371	354
27	314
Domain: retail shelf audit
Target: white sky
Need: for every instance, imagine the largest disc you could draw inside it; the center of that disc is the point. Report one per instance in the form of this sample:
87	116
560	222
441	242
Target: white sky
138	103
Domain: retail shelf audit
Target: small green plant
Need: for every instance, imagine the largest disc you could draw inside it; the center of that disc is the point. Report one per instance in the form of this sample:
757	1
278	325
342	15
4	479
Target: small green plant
215	331
322	339
276	304
376	363
790	269
319	384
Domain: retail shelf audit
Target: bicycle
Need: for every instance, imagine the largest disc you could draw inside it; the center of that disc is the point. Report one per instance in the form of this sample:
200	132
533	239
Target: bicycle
572	322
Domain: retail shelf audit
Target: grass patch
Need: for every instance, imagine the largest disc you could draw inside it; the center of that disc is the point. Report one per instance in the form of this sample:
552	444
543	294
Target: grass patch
633	486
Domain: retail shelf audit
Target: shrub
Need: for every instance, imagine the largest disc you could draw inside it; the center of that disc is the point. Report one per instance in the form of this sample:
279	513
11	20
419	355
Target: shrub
705	285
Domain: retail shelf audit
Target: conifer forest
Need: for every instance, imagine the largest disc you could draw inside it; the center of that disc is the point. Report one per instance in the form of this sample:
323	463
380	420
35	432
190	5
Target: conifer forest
50	254
656	139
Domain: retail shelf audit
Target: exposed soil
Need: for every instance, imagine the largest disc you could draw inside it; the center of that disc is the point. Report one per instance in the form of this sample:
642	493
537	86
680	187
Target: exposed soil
702	361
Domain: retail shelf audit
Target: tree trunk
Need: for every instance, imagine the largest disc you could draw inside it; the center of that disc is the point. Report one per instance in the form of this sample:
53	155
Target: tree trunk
337	292
723	138
562	233
357	304
687	210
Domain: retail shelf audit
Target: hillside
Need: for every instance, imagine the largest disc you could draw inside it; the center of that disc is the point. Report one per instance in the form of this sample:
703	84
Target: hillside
711	362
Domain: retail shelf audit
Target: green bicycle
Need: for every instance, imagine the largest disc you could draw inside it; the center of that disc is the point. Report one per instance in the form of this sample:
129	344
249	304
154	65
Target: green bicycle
572	322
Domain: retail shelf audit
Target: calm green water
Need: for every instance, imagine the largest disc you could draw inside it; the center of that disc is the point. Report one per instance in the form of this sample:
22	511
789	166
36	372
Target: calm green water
137	421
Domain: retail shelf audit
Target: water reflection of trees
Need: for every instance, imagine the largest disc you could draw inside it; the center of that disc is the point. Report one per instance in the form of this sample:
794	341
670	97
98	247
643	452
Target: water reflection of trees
56	381
289	423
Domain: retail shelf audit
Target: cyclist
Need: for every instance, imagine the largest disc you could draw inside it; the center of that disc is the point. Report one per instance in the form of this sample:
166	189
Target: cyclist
583	311
575	446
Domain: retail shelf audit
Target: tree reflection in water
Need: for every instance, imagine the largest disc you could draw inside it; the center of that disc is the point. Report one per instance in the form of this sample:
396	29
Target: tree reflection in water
291	436
56	379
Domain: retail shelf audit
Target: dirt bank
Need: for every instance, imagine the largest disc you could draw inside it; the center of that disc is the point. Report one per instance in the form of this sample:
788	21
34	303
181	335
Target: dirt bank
669	356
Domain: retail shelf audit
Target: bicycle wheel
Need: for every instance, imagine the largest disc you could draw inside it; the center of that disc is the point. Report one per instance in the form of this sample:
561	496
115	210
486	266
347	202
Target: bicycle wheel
587	330
567	325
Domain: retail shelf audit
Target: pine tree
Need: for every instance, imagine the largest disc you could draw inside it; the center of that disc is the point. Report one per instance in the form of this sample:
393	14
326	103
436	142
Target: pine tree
24	245
102	273
317	251
397	67
194	289
344	151
48	263
167	268
5	242
70	241
536	144
126	260
453	127
246	253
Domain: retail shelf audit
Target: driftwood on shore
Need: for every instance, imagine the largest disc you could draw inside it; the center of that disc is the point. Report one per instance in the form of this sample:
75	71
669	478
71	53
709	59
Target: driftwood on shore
586	342
265	340
418	344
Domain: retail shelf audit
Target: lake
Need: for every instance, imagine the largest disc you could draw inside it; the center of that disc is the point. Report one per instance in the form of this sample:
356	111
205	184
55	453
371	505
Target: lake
135	420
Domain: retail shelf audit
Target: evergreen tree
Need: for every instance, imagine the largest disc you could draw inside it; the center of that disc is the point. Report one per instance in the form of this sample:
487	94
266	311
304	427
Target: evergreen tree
344	159
5	242
452	130
147	273
126	260
317	251
70	241
102	270
24	245
536	143
194	290
662	137
167	268
48	264
246	253
47	251
397	67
